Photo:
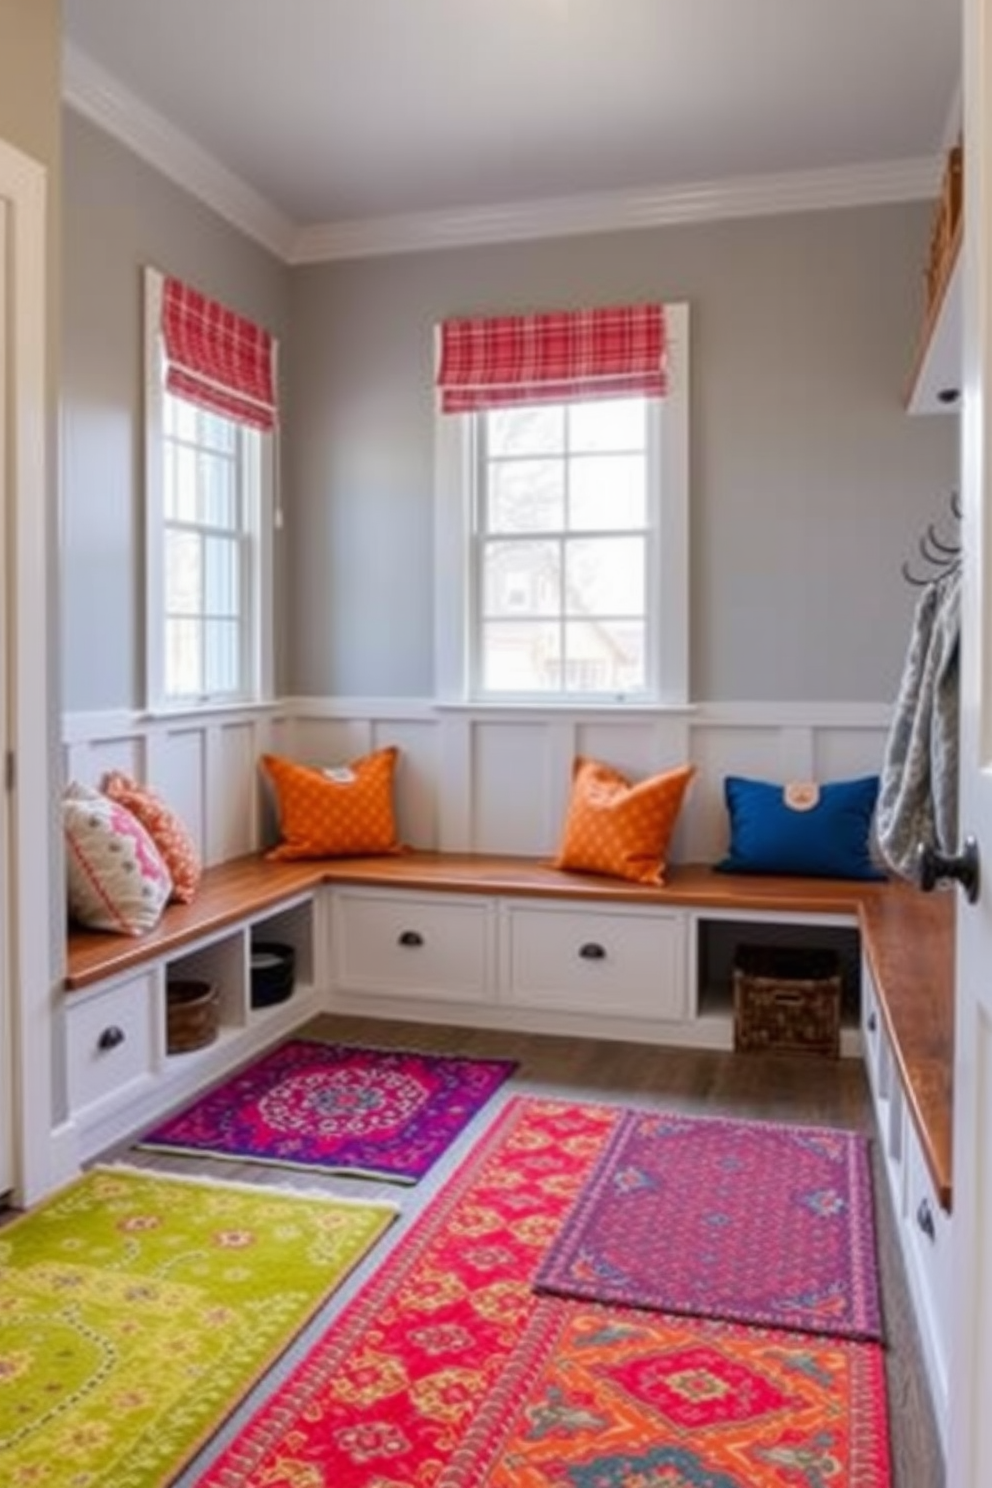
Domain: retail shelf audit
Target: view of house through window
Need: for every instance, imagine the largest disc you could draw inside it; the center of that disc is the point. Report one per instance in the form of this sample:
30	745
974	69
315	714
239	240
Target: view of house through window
564	528
209	496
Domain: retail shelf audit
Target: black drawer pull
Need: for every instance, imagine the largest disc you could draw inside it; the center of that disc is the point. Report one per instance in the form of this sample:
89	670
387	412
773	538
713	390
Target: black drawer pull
924	1218
411	938
111	1037
872	1022
591	951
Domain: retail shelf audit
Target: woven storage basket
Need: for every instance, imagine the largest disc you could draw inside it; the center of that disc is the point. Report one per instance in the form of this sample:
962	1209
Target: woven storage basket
787	999
192	1010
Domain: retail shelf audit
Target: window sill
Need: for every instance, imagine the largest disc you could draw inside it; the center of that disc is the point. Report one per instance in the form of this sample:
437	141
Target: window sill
169	712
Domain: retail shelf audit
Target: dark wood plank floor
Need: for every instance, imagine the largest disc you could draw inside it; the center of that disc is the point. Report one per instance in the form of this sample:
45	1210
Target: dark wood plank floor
773	1087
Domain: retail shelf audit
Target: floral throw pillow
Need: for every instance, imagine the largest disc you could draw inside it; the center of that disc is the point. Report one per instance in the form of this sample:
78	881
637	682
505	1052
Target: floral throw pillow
116	879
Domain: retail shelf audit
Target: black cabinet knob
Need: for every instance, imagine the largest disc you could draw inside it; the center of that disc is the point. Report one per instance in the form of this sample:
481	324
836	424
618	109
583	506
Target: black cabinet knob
872	1022
591	951
924	1218
111	1037
411	938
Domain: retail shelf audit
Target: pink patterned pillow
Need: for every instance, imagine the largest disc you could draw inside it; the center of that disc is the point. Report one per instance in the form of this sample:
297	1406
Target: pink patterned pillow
165	828
116	878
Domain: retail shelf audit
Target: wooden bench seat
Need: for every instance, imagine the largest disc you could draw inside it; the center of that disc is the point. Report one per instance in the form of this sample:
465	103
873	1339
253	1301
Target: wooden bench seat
908	939
229	893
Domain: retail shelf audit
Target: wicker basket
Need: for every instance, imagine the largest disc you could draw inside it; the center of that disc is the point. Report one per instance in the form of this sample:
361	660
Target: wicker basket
192	1010
787	999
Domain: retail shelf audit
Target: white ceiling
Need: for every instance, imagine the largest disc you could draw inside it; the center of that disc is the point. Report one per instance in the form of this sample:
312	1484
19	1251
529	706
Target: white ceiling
331	112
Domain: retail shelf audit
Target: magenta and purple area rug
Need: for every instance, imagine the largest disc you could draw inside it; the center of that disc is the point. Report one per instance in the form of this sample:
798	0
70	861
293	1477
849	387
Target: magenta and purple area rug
752	1221
374	1113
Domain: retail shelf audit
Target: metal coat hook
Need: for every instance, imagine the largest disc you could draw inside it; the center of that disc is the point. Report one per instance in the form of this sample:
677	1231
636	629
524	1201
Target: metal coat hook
940	556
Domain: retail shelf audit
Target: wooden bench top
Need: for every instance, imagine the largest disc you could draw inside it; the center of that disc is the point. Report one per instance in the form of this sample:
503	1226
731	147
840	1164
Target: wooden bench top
908	938
227	894
687	884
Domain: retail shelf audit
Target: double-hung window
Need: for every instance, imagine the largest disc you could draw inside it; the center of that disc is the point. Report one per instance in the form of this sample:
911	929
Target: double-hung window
210	421
562	517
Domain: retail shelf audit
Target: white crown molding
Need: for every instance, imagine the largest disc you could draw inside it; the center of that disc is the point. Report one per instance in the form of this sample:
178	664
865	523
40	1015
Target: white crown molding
98	96
707	201
91	91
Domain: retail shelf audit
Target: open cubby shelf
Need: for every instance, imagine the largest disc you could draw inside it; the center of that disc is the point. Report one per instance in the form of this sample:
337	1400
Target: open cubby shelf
716	950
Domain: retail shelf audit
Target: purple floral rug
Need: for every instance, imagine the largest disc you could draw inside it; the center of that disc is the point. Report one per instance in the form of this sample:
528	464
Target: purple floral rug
376	1113
752	1221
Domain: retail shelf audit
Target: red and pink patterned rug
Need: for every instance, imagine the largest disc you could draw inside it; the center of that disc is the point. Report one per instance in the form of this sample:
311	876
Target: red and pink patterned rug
448	1371
752	1221
375	1113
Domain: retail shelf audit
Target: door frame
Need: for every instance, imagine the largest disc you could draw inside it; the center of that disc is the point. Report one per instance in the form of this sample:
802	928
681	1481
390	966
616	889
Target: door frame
33	912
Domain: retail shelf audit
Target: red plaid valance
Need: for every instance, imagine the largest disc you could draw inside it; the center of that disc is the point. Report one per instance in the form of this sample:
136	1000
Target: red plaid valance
553	357
216	358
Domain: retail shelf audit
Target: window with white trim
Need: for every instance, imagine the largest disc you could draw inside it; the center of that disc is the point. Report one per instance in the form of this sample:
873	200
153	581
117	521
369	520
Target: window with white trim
209	518
562	546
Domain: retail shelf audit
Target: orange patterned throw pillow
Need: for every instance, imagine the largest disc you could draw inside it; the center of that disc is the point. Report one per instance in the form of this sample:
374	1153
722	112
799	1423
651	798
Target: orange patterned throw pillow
620	829
170	835
335	813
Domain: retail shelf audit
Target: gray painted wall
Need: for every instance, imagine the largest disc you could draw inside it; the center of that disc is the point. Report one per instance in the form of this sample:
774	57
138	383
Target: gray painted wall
809	482
118	215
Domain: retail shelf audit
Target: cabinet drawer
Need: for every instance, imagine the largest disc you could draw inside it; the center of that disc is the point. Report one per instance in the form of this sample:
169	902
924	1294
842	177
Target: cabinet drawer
872	1034
110	1044
928	1233
887	1096
612	962
412	945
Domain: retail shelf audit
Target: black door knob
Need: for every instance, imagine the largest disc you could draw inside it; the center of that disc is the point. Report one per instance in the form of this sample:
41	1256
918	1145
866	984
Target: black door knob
933	866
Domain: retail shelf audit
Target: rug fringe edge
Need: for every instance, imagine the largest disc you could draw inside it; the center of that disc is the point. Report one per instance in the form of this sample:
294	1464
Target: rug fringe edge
244	1185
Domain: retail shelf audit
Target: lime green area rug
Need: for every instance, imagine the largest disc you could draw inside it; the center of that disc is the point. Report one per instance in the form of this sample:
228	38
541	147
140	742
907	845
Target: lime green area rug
136	1310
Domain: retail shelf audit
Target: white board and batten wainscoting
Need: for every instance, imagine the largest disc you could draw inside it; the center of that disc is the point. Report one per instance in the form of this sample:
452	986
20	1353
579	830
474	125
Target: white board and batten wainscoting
472	779
494	782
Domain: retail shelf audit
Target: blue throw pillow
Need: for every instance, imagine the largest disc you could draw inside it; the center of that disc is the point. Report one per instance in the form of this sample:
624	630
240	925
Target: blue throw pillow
821	831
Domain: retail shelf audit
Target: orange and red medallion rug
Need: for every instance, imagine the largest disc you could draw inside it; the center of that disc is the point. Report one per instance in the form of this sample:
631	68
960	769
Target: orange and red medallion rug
448	1369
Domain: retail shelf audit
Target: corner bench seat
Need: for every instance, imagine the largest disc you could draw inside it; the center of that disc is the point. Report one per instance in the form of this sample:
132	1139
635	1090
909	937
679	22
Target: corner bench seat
908	939
228	893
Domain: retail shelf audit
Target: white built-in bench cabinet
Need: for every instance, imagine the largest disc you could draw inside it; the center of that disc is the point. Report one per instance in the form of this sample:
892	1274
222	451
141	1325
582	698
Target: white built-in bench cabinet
510	943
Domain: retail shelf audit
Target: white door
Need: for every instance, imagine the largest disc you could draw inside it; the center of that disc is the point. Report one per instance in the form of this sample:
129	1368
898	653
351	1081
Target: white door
970	1435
